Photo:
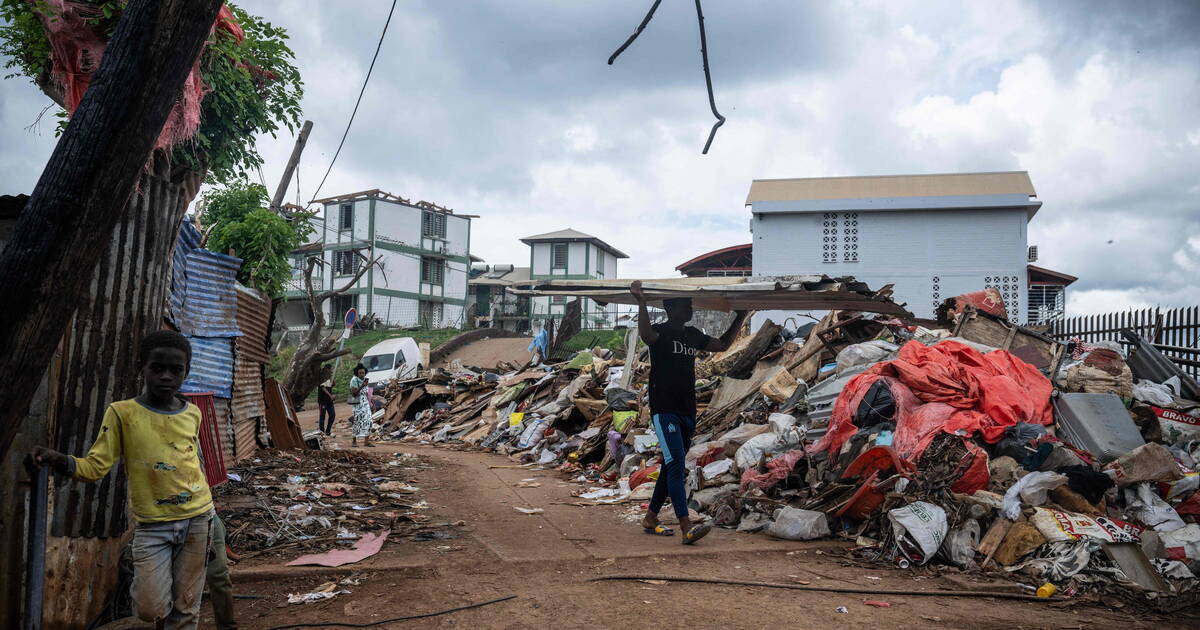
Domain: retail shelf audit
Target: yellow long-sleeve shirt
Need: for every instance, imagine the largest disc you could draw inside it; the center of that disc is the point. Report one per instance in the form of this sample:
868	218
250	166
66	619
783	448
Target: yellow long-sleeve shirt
161	453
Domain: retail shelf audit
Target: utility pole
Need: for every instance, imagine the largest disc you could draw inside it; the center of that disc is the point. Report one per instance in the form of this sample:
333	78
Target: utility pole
281	190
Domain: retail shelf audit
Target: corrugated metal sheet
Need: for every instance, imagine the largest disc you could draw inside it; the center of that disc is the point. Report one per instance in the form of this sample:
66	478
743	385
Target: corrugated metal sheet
253	317
213	426
212	367
244	432
247	399
187	241
98	355
210	301
225	423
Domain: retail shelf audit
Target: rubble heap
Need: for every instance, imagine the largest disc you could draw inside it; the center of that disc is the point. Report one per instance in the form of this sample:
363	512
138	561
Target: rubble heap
969	442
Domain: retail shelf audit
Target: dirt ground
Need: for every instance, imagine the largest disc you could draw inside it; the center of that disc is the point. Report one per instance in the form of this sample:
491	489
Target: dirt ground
486	353
547	559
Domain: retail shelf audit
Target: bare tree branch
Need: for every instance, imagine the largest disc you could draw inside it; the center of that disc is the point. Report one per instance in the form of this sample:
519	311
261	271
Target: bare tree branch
641	27
712	103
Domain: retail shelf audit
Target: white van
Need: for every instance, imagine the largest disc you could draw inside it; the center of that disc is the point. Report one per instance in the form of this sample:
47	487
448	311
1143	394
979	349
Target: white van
394	358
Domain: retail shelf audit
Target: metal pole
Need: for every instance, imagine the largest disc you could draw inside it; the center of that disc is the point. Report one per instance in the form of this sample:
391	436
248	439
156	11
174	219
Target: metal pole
35	567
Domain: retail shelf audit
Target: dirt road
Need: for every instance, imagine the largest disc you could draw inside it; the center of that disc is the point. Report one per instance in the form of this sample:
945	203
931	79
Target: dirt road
486	353
547	559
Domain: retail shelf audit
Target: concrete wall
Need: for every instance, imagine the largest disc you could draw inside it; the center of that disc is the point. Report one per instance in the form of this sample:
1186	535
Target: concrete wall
929	255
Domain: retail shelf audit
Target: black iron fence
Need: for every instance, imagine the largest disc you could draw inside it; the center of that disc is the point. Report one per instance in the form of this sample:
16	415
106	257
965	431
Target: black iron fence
1175	332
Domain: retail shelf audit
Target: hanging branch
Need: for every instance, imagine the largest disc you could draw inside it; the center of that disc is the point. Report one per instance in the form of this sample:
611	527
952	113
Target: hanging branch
641	27
712	102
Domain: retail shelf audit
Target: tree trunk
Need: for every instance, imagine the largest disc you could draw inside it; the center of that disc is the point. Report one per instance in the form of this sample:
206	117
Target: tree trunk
82	193
304	372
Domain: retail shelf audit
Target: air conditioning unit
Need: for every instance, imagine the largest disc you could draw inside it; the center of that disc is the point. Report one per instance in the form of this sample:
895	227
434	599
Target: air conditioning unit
1033	253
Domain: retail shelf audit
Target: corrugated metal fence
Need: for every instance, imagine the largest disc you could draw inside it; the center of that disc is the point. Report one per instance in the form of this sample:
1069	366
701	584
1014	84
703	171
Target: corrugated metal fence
94	365
1175	332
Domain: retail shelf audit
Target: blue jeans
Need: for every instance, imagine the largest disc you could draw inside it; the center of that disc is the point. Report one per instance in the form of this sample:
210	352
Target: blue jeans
674	438
169	561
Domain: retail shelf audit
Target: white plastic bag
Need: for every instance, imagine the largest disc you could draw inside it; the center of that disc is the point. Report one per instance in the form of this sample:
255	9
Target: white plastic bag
743	432
1183	543
961	544
1145	506
864	353
921	523
1153	393
1031	489
795	524
717	468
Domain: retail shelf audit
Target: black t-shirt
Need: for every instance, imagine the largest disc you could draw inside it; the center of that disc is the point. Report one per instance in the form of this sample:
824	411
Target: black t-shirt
673	369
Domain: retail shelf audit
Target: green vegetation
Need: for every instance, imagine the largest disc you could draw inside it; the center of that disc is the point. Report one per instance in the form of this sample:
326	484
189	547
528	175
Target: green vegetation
242	225
254	86
610	339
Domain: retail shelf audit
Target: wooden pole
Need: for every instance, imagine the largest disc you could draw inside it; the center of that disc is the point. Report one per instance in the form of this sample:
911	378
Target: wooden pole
82	194
281	190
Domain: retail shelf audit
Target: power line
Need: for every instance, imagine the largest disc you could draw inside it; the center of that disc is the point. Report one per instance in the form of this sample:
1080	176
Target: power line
356	103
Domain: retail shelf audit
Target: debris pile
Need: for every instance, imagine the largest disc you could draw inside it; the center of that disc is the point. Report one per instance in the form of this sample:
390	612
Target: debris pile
970	442
316	501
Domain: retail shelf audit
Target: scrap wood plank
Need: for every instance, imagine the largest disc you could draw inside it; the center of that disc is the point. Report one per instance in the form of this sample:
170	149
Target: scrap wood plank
992	539
397	412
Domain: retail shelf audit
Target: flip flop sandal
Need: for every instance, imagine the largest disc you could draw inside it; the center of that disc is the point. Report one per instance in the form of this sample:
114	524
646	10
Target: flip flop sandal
659	530
697	532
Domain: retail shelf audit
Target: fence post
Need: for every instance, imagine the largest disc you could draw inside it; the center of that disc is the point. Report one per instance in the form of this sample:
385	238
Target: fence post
1158	324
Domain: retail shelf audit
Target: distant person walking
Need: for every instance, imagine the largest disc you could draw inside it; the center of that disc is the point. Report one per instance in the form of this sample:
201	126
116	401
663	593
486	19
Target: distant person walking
360	423
673	347
325	401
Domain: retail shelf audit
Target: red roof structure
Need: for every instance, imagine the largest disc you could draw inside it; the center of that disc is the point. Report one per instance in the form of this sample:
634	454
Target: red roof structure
727	261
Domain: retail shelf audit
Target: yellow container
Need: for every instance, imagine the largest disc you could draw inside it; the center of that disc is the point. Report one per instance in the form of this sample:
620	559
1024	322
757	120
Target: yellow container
1047	590
515	418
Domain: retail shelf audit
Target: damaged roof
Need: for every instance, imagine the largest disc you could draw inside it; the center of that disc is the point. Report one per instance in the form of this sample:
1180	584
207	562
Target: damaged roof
569	236
808	292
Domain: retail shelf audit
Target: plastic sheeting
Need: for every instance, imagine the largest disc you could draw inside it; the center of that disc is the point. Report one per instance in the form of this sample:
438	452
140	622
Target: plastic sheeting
965	392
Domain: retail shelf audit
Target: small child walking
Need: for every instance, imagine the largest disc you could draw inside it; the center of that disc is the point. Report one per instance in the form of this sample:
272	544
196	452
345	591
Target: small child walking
157	438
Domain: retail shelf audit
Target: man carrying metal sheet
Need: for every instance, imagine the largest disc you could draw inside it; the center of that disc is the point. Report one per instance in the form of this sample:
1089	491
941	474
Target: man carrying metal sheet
673	347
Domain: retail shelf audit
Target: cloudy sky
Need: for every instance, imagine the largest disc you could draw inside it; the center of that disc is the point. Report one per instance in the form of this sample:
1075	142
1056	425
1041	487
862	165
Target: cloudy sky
506	109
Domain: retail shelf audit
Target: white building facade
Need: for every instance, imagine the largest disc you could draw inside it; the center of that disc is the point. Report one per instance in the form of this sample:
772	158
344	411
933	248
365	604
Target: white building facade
931	236
571	255
425	260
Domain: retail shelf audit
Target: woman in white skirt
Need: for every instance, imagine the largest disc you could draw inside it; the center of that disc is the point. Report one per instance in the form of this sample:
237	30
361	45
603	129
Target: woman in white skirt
360	422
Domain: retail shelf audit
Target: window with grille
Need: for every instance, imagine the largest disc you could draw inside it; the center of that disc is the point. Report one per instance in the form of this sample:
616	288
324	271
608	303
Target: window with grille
1046	303
558	299
432	270
346	262
558	256
346	216
1009	288
433	224
849	237
829	226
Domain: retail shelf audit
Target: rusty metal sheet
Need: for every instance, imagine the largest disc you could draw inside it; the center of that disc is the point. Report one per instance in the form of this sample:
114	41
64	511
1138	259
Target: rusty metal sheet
212	367
225	424
247	399
210	301
97	360
253	319
803	292
244	434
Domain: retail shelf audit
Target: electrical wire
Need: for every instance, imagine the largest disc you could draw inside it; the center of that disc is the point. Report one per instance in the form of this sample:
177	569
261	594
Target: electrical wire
341	624
366	79
641	27
712	103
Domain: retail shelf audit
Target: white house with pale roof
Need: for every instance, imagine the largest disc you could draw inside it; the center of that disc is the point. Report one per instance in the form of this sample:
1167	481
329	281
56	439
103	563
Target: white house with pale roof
571	254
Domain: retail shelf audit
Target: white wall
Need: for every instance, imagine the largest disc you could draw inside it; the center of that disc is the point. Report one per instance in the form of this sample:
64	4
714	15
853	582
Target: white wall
456	235
929	255
397	222
541	259
576	258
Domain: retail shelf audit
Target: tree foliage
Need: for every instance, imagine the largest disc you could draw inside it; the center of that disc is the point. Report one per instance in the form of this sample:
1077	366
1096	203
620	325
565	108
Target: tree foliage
241	224
255	88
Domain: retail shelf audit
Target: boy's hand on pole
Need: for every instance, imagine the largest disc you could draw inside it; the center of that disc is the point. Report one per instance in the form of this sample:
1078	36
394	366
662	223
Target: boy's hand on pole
635	288
41	456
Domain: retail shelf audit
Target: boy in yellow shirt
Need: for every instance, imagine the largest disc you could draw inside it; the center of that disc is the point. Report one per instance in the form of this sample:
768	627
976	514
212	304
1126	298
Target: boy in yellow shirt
157	437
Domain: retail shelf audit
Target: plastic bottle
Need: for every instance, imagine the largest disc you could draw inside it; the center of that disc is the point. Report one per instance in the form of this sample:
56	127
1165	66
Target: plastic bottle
1047	590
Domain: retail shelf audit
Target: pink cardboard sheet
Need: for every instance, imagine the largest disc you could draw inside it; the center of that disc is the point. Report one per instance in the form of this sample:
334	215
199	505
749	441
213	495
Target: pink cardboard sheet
367	546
